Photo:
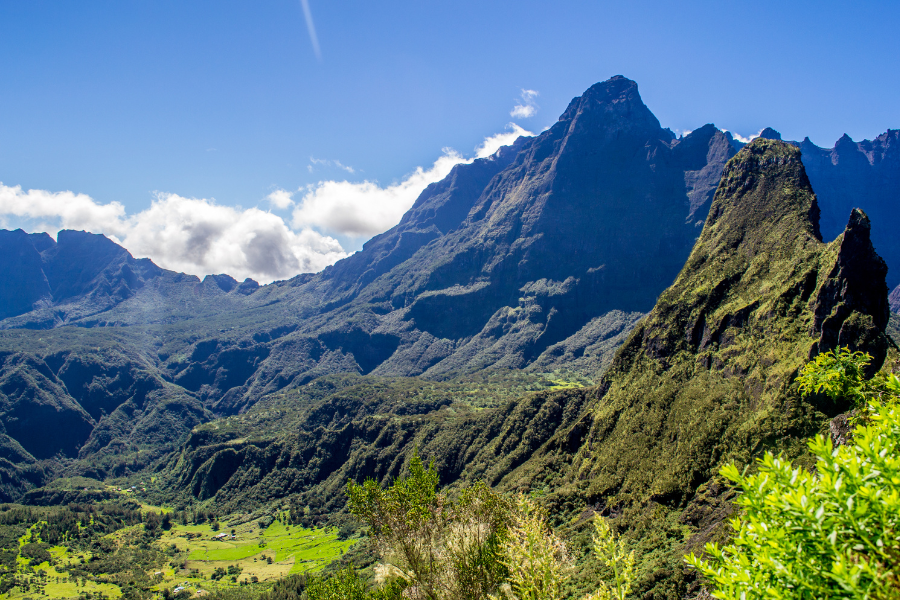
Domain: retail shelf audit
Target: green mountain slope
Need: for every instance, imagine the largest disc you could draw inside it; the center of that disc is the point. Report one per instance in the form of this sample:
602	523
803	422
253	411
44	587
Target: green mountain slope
706	377
542	256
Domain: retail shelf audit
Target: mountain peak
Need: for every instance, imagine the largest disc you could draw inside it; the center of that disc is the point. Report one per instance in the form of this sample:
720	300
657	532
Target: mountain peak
765	182
770	134
844	141
615	100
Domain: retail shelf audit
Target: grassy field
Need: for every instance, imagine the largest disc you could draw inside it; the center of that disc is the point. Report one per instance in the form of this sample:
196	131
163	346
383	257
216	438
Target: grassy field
265	553
247	553
47	580
195	558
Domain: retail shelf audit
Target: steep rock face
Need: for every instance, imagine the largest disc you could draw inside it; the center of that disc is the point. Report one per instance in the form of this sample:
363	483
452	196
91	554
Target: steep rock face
24	282
440	209
863	175
596	214
759	296
83	263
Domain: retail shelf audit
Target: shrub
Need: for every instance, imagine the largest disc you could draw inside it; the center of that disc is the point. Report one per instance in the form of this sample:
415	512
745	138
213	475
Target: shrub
537	560
834	533
445	548
611	552
346	585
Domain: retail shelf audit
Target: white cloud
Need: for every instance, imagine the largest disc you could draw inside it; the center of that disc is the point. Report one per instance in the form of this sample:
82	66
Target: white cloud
201	237
75	211
191	235
328	163
745	140
522	112
491	144
280	198
527	107
365	209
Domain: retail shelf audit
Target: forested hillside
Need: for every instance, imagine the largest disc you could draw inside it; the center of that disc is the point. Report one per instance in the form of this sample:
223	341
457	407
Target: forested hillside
707	377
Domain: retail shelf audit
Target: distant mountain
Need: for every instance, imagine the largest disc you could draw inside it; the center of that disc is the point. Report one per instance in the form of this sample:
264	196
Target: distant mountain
511	255
51	283
543	256
852	175
707	377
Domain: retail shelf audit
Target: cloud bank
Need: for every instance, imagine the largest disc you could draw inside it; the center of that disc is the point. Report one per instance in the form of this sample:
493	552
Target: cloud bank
201	237
191	235
365	208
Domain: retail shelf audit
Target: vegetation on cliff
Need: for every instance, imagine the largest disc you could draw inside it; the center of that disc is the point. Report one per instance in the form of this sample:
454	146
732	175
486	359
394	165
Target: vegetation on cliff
833	532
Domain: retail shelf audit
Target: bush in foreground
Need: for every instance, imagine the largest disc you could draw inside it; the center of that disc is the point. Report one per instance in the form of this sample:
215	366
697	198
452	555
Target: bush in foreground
834	533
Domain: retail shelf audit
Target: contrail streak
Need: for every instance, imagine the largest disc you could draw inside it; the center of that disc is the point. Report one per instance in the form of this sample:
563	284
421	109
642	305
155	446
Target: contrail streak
312	29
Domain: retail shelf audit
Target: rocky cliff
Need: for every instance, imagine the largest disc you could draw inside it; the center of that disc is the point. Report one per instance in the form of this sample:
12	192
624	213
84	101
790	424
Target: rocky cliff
862	175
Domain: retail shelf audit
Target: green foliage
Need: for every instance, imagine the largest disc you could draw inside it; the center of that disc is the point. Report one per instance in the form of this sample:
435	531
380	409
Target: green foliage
536	558
347	585
36	553
343	585
834	533
838	375
611	552
445	548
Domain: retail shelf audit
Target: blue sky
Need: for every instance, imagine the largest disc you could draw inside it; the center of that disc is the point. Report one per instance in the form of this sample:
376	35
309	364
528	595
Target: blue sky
154	105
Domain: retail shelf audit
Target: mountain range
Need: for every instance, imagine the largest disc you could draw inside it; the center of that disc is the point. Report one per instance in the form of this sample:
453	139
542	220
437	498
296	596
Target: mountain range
705	378
600	315
541	257
470	279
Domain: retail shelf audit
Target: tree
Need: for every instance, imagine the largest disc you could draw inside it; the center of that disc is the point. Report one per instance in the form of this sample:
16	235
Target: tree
536	558
443	547
834	533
